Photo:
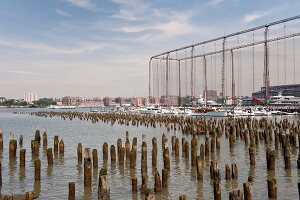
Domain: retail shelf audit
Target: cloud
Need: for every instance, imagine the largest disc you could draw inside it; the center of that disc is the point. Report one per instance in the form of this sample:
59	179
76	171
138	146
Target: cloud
62	13
216	2
86	4
254	16
166	24
28	73
84	47
131	10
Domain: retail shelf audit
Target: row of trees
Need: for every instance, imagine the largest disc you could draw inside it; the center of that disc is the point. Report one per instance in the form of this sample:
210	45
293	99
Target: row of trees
44	102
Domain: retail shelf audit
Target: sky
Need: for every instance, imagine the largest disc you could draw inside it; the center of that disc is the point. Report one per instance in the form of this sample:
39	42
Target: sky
98	48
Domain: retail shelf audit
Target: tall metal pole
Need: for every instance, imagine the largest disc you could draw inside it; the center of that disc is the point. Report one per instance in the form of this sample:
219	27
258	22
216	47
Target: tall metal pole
253	67
232	79
192	76
179	82
223	71
167	76
266	64
150	78
205	80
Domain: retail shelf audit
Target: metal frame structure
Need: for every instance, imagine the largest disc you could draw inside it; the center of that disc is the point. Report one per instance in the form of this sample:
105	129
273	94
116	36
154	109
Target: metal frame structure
223	50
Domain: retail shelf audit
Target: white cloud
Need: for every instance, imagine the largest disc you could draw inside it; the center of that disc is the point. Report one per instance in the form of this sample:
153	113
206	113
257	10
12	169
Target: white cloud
254	16
84	47
131	9
62	13
216	2
27	73
86	4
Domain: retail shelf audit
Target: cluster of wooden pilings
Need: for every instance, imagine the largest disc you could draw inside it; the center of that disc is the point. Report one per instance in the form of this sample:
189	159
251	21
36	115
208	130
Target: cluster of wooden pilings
276	136
36	144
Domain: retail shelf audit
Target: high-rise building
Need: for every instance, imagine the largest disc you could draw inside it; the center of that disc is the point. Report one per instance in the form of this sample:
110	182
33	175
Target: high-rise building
31	97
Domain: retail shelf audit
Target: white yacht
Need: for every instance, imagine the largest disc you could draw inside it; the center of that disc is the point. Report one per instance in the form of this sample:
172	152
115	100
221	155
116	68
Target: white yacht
61	107
149	110
209	112
280	100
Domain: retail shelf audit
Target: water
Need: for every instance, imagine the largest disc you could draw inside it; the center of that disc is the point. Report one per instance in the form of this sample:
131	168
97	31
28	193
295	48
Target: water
183	180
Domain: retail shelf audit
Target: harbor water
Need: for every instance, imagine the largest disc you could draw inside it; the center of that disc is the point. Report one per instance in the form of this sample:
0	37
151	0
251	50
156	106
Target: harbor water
182	180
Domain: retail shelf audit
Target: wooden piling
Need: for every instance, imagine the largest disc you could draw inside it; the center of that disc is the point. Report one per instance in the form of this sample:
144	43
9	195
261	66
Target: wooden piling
29	195
103	188
252	155
35	148
1	140
176	147
105	151
207	147
186	149
234	171
133	157
154	151
50	156
0	174
95	158
271	158
166	158
247	190
157	183
165	177
71	191
79	152
37	136
37	170
287	162
22	157
183	197
217	190
134	184
199	168
87	168
272	188
12	149
112	154
61	147
236	194
21	141
227	172
45	141
56	141
194	150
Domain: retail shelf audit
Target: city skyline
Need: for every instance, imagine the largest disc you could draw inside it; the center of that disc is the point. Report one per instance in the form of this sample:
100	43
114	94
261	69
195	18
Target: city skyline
102	48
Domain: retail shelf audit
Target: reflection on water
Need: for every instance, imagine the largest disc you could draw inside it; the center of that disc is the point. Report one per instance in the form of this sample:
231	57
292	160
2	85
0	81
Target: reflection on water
182	180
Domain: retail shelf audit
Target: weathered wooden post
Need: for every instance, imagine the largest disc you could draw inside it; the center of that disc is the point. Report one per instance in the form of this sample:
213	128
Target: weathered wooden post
61	147
247	190
218	144
194	150
183	146
127	146
236	195
12	148
165	177
202	152
103	187
37	170
29	195
207	147
21	141
133	157
272	188
87	168
157	183
45	141
95	158
234	171
22	157
79	152
119	147
1	140
176	147
37	136
105	151
134	184
166	156
56	141
287	162
252	155
187	149
271	158
71	191
154	151
112	154
183	197
144	185
217	190
199	168
227	172
50	156
35	148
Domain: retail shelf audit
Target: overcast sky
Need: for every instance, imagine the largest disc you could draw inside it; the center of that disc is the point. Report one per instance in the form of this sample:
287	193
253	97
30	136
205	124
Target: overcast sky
102	47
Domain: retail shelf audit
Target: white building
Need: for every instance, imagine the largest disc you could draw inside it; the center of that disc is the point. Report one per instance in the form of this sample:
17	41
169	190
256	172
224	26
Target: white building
30	97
